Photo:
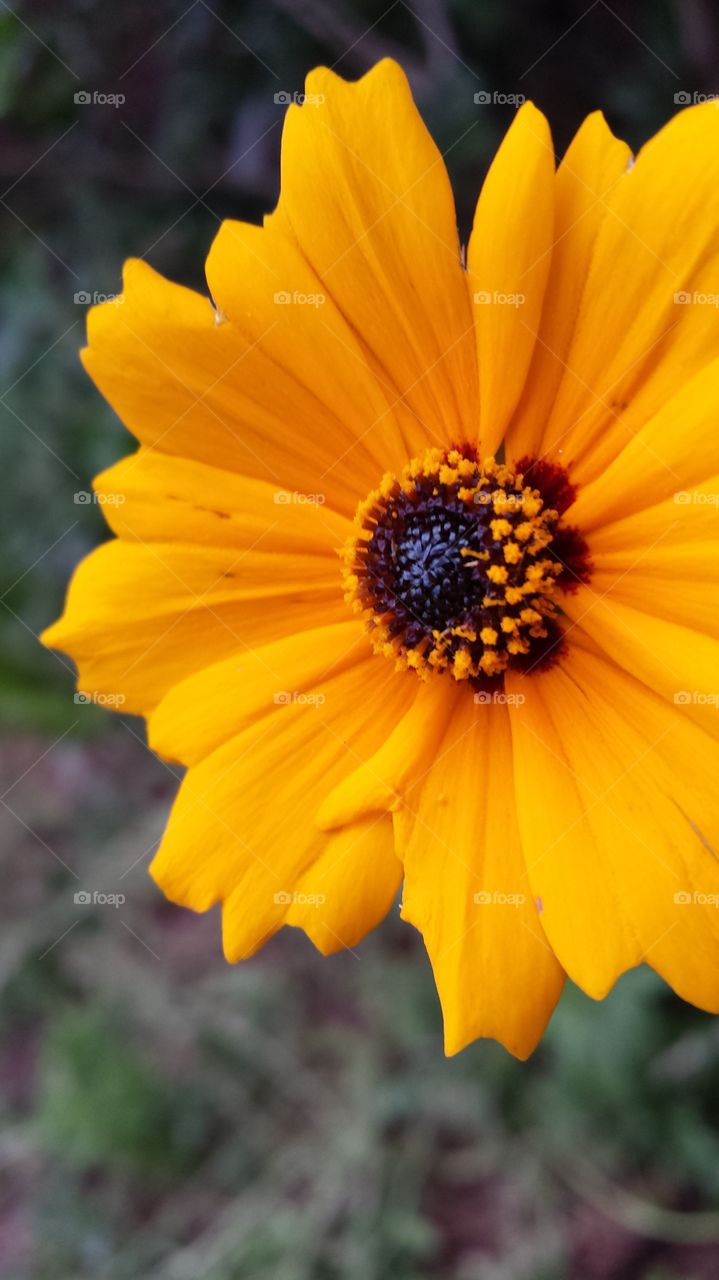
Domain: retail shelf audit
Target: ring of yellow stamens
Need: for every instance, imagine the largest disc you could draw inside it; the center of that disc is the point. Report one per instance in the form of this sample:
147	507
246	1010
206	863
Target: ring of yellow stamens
450	563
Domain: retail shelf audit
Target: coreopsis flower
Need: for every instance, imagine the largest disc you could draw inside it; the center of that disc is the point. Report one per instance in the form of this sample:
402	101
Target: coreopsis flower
415	567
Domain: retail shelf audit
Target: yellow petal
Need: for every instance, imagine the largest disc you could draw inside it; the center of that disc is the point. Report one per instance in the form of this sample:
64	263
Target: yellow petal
679	663
508	260
184	380
635	338
593	165
676	451
618	814
260	278
249	685
664	560
467	890
242	830
141	616
378	784
366	196
153	497
350	888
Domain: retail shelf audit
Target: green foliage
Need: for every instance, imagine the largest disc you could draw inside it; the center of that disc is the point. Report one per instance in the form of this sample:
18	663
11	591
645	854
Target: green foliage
101	1103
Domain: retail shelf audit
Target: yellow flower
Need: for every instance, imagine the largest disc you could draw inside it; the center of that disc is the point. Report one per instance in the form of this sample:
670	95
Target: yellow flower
503	689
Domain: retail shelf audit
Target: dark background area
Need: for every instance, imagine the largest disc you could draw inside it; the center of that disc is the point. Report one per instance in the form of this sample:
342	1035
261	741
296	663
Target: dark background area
163	1115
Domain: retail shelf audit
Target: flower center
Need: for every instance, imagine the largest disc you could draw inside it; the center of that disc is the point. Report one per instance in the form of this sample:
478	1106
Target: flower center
456	564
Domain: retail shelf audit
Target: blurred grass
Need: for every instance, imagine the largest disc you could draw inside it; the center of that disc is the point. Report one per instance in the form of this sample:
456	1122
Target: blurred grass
165	1116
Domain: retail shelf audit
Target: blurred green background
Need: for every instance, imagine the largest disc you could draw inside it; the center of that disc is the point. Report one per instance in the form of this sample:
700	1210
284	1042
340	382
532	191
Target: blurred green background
164	1116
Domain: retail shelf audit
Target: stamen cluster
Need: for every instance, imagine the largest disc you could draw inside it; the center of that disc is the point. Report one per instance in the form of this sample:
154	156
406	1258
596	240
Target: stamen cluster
451	564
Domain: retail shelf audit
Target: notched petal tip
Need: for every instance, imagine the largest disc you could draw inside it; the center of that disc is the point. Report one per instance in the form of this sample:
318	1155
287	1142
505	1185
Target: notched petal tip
457	1038
325	79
